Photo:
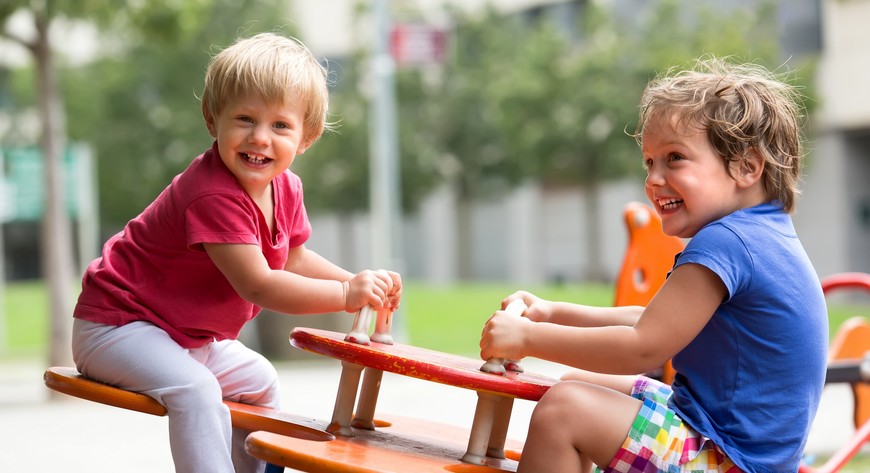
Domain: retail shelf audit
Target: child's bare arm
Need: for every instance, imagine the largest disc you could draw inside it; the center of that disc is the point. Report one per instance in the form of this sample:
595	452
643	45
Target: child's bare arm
305	262
673	318
308	263
566	313
285	291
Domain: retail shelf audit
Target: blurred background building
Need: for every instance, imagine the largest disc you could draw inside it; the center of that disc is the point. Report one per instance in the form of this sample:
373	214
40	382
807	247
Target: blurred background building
533	231
535	234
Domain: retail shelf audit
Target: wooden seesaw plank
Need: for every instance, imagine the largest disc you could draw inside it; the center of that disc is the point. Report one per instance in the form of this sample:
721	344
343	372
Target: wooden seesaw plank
69	381
422	363
405	445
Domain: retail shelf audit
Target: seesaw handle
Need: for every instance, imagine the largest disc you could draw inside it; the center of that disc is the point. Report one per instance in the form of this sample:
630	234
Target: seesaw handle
497	365
359	331
383	326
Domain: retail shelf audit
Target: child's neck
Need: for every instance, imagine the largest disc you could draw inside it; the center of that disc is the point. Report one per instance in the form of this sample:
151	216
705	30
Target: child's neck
266	203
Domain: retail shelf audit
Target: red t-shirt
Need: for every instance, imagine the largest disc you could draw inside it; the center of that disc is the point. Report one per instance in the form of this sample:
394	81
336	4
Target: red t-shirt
157	270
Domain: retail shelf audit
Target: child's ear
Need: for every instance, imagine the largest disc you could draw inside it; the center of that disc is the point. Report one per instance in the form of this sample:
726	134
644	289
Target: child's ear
209	121
304	146
750	168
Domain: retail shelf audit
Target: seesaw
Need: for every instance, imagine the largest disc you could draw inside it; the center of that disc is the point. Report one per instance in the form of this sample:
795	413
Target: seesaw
362	445
69	381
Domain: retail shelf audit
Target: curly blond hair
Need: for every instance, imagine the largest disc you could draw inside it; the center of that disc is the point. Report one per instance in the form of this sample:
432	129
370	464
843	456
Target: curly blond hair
275	68
741	107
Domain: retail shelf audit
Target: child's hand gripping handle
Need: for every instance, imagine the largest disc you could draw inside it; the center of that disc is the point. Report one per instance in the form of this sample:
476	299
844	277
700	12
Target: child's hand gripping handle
498	365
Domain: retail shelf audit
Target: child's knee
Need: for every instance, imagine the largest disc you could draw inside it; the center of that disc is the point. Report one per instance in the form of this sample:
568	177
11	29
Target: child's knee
566	393
270	396
201	391
260	386
562	399
268	391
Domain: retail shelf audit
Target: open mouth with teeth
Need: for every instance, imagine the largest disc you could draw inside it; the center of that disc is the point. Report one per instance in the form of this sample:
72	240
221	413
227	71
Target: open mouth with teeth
253	159
670	204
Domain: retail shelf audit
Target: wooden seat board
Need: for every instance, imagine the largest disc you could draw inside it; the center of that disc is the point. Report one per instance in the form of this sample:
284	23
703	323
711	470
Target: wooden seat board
406	445
69	381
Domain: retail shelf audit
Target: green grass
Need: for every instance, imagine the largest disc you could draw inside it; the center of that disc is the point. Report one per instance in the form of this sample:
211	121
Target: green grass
446	318
25	312
450	318
860	463
443	317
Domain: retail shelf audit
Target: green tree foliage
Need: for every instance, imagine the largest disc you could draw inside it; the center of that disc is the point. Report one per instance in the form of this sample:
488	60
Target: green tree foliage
335	170
518	98
527	100
522	99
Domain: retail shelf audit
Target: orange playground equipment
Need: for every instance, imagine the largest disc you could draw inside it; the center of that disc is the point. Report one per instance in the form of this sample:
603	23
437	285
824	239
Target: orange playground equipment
849	362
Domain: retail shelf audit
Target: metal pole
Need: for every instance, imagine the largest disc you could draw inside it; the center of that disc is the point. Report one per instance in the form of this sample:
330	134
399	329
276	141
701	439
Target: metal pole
384	179
86	204
3	217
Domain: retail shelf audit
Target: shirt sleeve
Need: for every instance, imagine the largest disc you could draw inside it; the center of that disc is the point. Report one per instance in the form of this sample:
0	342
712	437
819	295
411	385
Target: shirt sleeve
719	249
220	219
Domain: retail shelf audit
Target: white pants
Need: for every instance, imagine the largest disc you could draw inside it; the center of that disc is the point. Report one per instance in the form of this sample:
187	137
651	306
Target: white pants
190	383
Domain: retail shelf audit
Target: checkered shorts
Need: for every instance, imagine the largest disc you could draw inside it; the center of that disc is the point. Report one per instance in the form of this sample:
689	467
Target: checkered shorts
659	441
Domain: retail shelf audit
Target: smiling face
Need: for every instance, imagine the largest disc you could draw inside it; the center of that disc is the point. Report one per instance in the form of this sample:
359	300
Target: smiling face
688	182
257	139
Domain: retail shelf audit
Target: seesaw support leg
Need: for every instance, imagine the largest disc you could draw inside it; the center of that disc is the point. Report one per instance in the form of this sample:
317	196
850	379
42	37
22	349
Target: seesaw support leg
368	398
345	399
481	428
498	435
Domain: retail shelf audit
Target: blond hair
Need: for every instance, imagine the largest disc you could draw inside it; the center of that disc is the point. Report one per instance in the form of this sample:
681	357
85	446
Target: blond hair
742	108
275	68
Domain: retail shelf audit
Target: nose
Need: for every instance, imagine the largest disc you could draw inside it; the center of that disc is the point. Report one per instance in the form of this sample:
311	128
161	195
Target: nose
654	176
259	134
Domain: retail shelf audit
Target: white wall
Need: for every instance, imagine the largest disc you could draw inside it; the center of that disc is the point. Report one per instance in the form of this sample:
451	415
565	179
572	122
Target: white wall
845	65
529	236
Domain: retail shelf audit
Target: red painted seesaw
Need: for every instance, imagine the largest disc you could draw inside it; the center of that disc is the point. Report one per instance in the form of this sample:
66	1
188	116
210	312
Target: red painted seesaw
360	444
849	362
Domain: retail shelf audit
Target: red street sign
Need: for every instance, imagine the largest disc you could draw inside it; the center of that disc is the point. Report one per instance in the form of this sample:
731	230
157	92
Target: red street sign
417	44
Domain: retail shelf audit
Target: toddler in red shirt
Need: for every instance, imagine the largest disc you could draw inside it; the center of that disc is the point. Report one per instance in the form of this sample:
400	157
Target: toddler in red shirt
161	310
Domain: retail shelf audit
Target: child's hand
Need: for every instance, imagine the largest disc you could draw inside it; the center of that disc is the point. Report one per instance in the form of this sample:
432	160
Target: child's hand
539	310
504	336
395	295
374	288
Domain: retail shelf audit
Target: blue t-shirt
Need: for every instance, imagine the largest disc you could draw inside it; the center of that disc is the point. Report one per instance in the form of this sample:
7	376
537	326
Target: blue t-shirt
751	380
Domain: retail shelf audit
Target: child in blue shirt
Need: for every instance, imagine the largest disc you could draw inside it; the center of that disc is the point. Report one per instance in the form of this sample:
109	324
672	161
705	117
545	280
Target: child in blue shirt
741	314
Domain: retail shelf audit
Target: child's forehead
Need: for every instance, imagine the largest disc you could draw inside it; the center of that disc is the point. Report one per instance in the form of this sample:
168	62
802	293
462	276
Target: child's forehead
287	99
672	121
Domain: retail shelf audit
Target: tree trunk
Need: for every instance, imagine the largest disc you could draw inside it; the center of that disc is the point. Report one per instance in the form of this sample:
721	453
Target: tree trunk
57	258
